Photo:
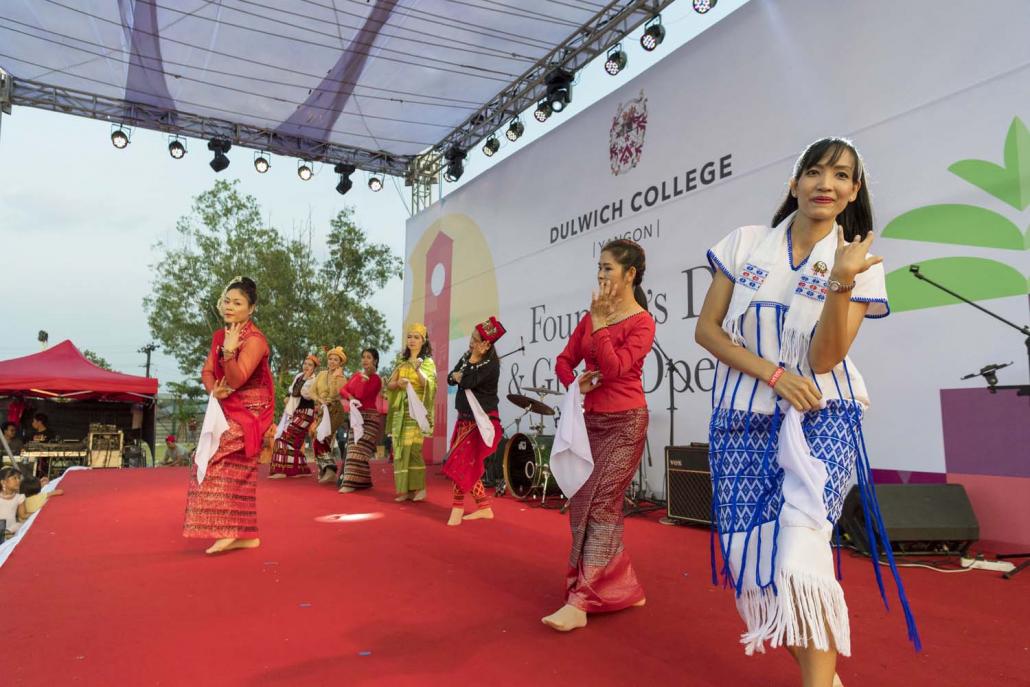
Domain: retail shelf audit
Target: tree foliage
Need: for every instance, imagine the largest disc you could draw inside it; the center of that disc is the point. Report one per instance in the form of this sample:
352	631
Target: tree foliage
303	304
96	359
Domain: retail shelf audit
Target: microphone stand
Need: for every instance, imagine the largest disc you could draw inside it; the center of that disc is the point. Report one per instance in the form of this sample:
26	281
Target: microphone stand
1023	389
988	372
635	503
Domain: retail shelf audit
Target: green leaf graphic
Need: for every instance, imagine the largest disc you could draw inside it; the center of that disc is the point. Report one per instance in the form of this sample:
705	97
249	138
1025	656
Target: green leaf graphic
975	278
965	225
1011	183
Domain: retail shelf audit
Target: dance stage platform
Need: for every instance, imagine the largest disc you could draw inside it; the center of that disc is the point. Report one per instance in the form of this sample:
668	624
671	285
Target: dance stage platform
104	590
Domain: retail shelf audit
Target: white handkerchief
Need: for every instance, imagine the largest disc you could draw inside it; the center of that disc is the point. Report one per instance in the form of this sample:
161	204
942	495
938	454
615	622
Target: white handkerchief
417	410
357	423
571	459
210	434
325	426
486	427
284	421
804	477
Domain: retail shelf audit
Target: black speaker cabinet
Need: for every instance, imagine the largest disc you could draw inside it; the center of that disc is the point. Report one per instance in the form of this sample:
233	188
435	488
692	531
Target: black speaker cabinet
689	480
920	519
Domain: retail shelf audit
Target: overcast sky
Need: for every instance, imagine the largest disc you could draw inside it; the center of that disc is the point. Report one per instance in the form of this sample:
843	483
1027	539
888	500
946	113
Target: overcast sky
79	218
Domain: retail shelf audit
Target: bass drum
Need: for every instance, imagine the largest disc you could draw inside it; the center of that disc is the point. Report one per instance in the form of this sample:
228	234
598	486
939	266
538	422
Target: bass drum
526	463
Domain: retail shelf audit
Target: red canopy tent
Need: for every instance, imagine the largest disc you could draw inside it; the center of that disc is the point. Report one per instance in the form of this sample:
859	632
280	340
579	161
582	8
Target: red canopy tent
76	393
63	372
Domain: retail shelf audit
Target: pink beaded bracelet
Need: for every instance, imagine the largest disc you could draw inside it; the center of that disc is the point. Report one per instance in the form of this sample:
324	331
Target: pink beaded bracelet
776	376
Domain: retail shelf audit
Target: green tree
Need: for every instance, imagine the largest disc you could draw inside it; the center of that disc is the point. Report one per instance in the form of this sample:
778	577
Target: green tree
302	305
96	359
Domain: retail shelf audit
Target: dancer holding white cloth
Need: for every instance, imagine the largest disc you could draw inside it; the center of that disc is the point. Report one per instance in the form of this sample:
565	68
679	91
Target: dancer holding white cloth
411	390
784	308
477	431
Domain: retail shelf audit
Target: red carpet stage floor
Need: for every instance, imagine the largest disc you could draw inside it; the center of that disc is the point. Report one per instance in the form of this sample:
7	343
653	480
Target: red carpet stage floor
104	590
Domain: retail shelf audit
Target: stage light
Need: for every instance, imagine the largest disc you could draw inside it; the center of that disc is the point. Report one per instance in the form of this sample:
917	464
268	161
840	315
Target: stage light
702	6
559	89
455	163
375	184
344	171
515	130
304	170
176	149
616	61
261	163
491	146
119	138
654	33
542	112
219	146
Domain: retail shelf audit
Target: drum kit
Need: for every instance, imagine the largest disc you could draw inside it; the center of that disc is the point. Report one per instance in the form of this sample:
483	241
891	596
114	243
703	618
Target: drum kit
526	457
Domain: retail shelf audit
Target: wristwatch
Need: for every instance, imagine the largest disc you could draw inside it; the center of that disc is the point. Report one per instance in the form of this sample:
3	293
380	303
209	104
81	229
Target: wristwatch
837	287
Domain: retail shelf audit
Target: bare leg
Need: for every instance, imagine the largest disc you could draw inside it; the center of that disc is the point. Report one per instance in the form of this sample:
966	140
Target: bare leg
566	619
818	668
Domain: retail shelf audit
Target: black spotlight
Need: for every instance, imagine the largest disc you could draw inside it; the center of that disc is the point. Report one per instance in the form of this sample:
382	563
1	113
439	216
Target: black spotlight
375	184
491	146
702	6
345	183
616	61
119	138
219	146
542	111
515	130
455	163
304	170
654	33
176	149
559	89
261	163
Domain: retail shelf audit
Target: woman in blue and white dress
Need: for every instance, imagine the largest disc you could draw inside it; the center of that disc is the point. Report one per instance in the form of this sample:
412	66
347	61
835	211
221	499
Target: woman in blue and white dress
784	308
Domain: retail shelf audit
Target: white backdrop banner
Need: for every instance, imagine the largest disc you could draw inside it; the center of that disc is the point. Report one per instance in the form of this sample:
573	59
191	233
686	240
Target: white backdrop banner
704	142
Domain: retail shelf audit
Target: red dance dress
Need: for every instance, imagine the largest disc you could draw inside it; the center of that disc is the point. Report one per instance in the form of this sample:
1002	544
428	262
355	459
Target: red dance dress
356	471
600	576
225	505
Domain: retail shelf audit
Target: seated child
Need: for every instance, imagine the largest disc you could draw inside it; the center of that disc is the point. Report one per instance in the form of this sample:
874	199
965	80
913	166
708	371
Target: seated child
12	503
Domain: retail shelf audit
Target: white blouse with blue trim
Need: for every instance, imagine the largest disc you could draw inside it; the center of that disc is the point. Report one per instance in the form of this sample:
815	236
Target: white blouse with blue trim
763	324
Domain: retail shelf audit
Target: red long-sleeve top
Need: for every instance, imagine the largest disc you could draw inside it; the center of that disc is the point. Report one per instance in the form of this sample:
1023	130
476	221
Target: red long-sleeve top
244	368
618	351
362	389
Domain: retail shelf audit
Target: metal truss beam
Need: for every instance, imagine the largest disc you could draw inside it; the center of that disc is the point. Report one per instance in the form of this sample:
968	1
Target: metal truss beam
69	101
606	28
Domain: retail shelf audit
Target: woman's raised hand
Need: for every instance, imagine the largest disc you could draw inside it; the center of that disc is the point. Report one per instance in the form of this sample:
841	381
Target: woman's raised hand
232	337
852	257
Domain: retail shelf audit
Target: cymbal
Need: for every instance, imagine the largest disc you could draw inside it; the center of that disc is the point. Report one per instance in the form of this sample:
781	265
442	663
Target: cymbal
532	405
542	390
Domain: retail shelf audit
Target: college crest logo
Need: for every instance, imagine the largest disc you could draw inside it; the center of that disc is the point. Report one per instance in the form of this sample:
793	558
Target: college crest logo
626	138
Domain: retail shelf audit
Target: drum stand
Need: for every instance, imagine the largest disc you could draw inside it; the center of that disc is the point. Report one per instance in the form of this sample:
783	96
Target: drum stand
638	503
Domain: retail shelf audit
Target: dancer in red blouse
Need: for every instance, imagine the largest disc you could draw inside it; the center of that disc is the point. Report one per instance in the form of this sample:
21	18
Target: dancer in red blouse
237	374
363	386
613	340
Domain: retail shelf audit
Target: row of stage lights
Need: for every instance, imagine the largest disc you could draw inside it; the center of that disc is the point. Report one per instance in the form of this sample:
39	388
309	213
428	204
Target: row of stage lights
559	90
559	96
262	163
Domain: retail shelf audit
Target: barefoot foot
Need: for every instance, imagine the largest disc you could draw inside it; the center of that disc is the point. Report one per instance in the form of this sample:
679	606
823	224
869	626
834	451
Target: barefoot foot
642	602
277	475
566	619
402	497
220	545
346	490
455	518
481	514
419	495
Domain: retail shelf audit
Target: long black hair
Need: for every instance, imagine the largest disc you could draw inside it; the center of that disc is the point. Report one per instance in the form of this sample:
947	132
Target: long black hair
374	353
857	217
630	254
